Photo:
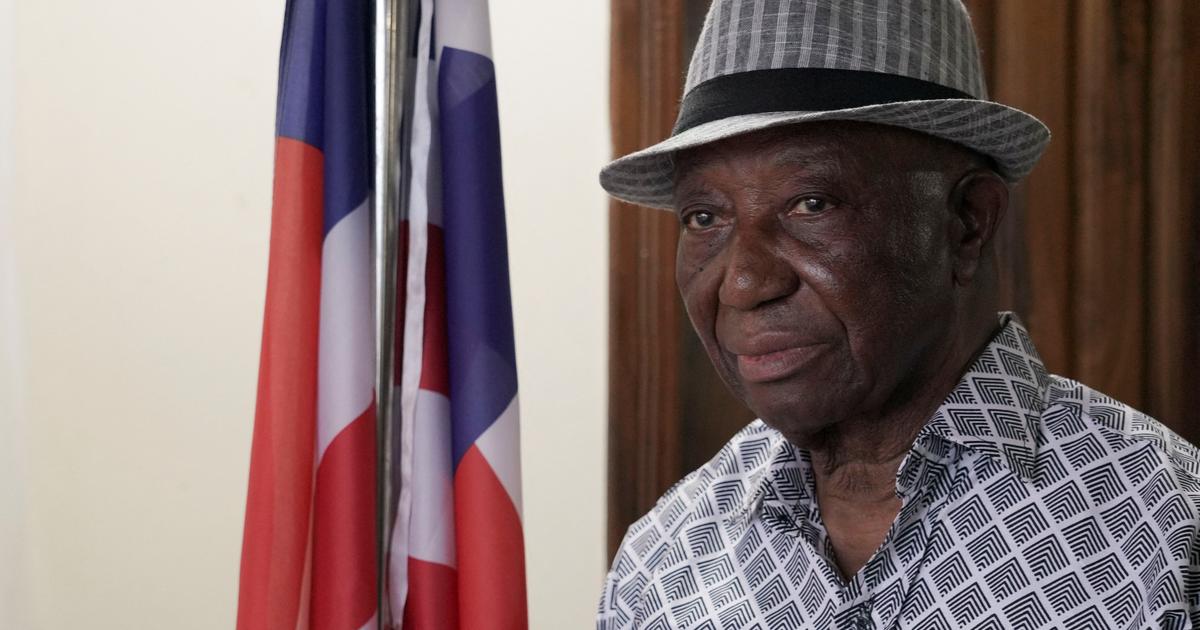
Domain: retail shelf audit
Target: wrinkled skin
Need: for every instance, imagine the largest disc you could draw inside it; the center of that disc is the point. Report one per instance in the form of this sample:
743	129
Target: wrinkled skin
840	277
831	270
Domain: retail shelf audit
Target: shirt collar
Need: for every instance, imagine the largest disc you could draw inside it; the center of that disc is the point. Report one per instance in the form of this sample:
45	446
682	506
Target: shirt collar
993	410
781	479
995	407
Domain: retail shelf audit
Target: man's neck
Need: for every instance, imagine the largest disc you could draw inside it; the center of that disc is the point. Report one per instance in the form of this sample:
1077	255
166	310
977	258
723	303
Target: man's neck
855	461
858	458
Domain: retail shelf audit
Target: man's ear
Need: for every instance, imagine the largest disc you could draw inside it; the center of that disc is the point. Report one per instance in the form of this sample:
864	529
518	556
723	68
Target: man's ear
978	203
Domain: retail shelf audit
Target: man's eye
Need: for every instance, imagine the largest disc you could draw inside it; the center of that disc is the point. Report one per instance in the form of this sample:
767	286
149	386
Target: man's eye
699	220
811	205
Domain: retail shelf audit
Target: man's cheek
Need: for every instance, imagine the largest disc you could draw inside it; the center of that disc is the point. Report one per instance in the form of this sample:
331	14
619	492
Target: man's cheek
688	265
701	307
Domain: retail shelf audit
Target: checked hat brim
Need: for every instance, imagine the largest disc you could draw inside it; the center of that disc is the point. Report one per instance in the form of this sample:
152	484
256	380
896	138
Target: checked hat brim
1011	137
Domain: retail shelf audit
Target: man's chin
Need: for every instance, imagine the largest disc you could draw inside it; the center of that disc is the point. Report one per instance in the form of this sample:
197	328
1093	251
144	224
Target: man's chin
803	434
793	415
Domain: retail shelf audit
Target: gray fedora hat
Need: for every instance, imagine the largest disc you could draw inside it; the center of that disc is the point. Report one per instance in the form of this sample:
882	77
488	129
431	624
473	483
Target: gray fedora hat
765	63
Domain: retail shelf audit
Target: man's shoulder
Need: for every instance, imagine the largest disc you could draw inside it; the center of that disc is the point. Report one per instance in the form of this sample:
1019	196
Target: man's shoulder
713	491
1089	426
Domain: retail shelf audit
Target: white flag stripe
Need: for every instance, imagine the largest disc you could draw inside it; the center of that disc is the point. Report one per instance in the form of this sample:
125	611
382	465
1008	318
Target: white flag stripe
431	533
501	446
345	382
429	189
470	29
423	126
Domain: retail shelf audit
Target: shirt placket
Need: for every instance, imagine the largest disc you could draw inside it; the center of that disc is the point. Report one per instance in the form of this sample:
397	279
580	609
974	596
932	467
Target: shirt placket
799	518
919	484
855	613
853	609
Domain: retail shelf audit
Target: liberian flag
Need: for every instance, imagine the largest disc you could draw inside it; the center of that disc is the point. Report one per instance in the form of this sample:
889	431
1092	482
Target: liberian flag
309	547
457	555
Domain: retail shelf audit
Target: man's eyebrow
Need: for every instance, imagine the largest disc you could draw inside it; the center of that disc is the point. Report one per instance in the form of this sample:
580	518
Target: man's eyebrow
805	156
809	161
817	158
687	189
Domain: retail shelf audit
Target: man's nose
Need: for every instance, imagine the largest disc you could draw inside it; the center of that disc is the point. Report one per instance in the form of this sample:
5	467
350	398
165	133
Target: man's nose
755	273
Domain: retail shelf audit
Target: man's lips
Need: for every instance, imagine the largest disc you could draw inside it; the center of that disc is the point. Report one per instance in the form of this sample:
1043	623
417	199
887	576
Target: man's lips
776	364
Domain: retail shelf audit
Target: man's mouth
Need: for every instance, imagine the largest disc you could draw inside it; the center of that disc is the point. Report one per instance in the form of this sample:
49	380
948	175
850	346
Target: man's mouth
775	365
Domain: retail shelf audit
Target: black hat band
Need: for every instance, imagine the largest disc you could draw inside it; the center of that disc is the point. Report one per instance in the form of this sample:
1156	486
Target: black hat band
801	90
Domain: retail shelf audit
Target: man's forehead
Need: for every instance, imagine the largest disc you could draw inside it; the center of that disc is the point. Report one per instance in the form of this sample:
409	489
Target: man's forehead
825	147
816	148
784	152
790	143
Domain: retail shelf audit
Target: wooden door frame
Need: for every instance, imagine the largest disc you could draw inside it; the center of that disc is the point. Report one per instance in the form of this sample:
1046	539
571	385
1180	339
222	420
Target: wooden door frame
644	310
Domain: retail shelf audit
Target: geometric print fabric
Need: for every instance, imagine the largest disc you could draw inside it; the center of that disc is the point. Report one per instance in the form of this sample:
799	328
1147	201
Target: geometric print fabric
1028	501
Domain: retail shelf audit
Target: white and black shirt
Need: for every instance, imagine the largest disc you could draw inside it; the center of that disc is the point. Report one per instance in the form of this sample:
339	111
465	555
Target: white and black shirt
1029	501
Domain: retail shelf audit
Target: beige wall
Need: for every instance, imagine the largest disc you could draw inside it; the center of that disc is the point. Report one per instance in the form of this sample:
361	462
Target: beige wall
13	513
552	74
137	221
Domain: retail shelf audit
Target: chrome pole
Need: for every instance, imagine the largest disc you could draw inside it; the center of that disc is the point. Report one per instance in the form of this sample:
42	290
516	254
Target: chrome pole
393	34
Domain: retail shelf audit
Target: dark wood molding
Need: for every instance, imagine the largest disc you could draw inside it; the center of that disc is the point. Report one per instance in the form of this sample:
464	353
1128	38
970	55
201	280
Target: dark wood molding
1173	326
1033	41
1110	186
644	311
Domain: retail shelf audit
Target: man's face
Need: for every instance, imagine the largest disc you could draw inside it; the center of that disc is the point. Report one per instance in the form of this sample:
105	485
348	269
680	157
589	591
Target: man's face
815	264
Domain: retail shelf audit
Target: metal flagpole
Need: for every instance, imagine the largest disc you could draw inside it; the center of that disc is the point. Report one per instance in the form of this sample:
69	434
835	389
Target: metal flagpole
393	91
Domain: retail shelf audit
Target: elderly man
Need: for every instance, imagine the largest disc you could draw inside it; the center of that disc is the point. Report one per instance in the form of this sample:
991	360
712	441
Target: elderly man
839	178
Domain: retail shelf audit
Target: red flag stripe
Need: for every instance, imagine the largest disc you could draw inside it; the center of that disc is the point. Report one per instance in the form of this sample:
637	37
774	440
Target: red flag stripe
278	503
432	596
490	544
279	499
343	581
435	373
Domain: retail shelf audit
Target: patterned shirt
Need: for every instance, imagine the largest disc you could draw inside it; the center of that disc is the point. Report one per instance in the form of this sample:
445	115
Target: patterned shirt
1028	501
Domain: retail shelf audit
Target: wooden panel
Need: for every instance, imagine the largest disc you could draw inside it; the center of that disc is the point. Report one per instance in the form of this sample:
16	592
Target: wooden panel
1009	240
1109	140
694	12
646	67
1033	74
1171	387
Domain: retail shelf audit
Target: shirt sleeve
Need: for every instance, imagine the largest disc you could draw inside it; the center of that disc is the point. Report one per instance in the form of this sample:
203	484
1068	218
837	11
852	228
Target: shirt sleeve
627	598
623	587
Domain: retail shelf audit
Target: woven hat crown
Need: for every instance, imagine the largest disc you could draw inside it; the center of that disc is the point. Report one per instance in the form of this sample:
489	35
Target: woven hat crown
912	64
930	40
